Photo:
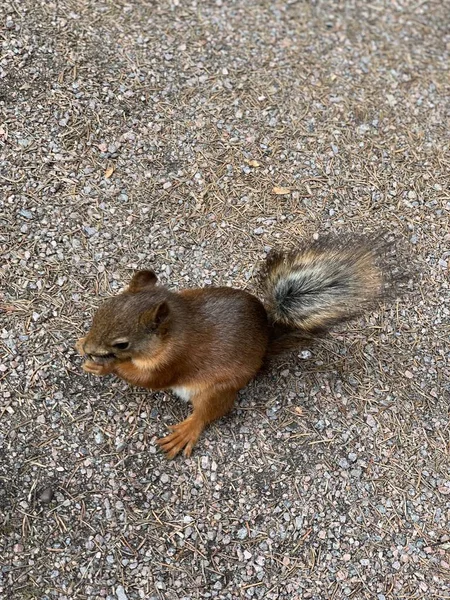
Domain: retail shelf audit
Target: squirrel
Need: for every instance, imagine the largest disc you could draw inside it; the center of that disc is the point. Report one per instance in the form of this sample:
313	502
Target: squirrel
206	344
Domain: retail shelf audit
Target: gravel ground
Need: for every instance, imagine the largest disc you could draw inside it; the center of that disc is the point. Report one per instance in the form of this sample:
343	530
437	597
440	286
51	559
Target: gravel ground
157	134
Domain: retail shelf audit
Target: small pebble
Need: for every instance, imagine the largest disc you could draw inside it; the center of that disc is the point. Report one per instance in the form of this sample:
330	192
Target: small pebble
120	593
371	421
45	495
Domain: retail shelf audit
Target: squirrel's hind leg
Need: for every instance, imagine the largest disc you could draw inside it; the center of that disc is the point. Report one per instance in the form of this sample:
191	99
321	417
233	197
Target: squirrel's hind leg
208	406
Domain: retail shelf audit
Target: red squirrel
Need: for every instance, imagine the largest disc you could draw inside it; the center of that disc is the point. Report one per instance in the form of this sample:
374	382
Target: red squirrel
207	344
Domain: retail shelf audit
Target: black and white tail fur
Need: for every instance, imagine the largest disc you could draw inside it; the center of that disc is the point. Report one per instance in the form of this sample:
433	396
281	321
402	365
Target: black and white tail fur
326	282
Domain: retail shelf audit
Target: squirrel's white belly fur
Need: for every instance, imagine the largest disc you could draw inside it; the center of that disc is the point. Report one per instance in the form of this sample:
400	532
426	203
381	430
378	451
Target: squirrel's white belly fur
182	392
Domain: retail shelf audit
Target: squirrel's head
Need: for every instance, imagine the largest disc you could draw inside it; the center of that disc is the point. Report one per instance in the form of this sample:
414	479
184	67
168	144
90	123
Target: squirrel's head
132	323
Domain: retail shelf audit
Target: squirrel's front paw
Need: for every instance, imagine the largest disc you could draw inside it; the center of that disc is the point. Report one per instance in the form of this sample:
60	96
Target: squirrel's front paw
97	368
185	435
79	346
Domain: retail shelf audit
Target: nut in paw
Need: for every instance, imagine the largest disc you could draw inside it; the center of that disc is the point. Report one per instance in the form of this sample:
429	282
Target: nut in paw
96	368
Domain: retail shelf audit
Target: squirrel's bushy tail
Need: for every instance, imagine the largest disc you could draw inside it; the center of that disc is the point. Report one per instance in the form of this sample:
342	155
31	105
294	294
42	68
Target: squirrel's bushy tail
323	283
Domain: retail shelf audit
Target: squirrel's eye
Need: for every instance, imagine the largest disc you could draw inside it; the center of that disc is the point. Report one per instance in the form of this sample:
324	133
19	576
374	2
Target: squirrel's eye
121	345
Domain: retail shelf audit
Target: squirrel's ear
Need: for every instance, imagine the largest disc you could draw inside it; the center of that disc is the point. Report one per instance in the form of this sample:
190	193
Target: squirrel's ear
154	317
142	280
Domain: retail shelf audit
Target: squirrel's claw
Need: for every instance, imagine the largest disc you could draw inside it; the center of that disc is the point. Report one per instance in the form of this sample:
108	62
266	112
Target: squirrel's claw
184	436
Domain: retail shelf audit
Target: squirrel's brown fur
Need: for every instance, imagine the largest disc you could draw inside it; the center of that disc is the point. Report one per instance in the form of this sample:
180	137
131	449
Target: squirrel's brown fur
206	344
